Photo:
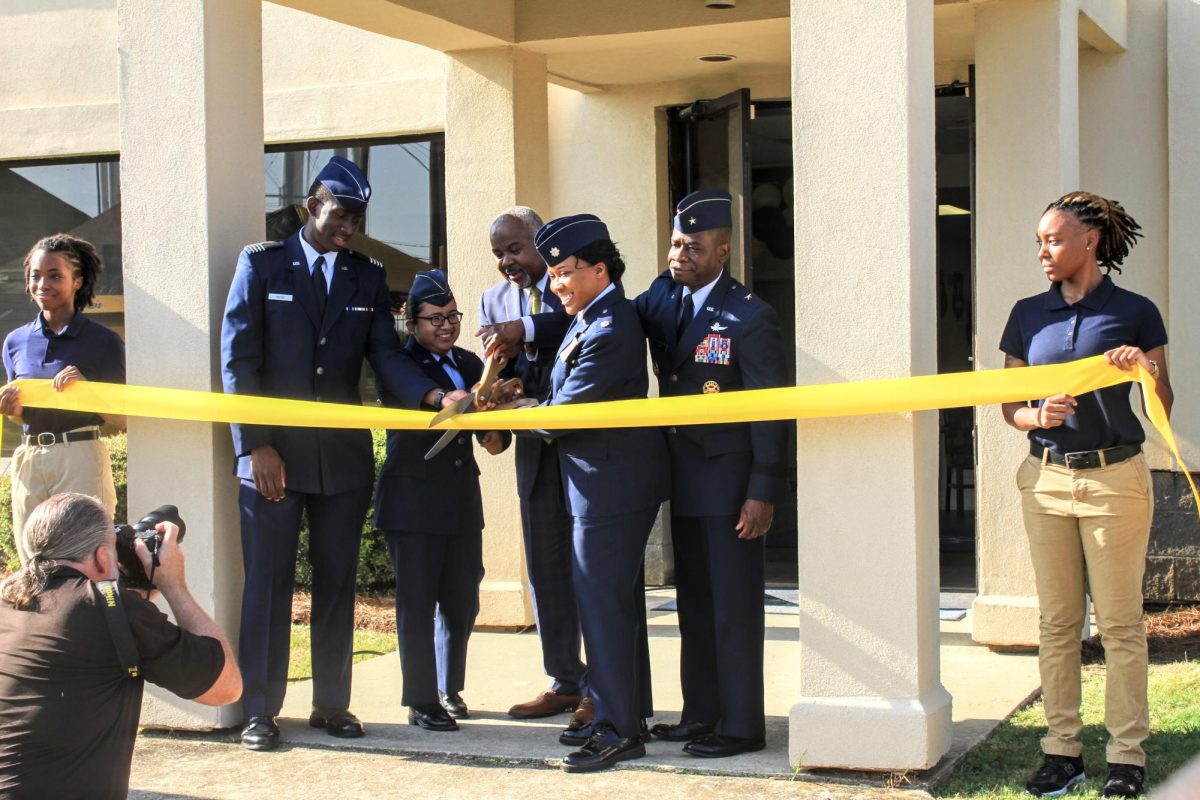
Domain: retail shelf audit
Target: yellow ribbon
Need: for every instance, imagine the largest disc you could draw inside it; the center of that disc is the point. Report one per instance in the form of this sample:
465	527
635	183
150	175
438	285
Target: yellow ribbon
891	395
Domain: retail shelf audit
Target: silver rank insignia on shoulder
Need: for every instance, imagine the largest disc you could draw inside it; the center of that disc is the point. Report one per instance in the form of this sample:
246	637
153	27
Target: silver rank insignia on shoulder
711	387
717	326
748	296
262	247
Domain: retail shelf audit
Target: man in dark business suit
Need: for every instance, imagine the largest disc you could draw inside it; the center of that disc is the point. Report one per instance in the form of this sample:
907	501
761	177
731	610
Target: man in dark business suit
614	481
300	318
431	514
709	334
528	322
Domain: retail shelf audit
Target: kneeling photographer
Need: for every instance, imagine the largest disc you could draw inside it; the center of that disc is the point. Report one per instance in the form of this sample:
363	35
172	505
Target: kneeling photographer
75	650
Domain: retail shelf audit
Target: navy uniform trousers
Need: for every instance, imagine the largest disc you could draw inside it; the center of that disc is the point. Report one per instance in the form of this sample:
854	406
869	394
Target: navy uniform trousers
546	523
614	482
733	342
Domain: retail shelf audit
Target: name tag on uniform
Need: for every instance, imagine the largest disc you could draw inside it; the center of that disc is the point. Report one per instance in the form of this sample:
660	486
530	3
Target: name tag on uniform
287	298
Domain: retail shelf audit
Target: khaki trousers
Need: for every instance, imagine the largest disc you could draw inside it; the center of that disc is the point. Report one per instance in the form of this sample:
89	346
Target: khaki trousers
40	471
1098	521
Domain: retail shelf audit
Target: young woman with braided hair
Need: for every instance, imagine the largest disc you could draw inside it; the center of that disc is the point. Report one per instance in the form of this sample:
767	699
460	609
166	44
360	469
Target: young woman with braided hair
1085	487
61	451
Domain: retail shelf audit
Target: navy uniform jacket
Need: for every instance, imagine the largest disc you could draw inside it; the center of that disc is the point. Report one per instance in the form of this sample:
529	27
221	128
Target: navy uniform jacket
733	342
501	303
439	496
606	471
273	344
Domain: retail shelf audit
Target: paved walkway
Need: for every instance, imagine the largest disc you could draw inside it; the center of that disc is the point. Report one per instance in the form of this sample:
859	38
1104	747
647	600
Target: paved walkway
494	756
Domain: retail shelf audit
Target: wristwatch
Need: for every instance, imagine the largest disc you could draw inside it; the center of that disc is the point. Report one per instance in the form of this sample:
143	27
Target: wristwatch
438	398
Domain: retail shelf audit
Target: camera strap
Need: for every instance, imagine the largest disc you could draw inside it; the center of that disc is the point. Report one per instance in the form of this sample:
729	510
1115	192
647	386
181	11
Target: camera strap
118	626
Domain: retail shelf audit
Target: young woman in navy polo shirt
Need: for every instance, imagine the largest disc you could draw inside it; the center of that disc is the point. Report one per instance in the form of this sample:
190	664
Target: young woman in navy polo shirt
1085	487
61	451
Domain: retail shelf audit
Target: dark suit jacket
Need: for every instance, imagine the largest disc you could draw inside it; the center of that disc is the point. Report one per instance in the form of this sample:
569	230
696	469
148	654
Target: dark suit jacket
733	342
606	471
274	344
439	496
501	303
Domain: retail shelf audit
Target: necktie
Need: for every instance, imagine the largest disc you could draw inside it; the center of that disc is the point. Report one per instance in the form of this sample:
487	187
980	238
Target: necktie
319	287
686	310
535	301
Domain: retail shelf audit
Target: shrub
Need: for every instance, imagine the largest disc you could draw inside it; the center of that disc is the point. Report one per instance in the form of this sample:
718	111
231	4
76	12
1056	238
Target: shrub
374	564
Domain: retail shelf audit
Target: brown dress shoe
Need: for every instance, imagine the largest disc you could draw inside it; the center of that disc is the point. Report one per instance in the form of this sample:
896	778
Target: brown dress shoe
546	704
584	714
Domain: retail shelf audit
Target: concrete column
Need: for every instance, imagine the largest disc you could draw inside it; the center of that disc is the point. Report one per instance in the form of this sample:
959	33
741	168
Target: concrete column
1027	155
1183	198
870	695
496	157
191	184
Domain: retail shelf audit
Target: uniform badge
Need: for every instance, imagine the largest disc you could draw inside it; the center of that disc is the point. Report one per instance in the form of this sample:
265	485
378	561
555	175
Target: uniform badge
714	349
554	252
711	387
717	326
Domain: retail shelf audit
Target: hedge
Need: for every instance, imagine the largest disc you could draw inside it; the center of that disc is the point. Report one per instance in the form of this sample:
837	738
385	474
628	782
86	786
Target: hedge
374	566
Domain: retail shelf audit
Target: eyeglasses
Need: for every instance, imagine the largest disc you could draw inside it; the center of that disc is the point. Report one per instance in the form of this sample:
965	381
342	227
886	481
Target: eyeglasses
438	320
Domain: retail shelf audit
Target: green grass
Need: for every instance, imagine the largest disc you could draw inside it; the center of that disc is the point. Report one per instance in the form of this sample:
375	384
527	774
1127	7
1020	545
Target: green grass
1000	767
367	644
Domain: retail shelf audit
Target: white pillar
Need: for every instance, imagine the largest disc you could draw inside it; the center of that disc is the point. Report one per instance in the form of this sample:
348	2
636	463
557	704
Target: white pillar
192	195
863	149
496	157
1027	155
1183	199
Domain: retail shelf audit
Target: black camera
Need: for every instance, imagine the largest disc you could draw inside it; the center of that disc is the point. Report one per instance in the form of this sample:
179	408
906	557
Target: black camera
133	574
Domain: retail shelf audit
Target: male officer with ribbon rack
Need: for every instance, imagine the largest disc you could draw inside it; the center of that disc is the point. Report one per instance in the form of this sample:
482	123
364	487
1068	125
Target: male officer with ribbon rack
710	334
300	318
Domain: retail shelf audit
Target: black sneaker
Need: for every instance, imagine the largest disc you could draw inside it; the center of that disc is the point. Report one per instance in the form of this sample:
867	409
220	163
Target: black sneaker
1124	780
1056	776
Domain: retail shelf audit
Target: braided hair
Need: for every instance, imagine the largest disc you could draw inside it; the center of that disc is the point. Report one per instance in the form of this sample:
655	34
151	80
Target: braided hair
66	527
83	257
1118	231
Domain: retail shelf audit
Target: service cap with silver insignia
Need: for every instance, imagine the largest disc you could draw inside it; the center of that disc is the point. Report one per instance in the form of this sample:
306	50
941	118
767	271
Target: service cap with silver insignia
711	387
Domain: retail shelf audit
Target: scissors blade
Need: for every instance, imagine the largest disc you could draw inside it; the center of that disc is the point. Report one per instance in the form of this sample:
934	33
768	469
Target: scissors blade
460	405
441	443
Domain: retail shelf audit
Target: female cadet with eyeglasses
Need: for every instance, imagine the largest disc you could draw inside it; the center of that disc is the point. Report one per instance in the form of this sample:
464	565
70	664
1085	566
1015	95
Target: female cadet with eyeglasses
431	514
1085	487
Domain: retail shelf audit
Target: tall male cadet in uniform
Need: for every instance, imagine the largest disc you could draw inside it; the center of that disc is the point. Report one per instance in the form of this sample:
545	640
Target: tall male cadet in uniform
528	321
300	318
710	334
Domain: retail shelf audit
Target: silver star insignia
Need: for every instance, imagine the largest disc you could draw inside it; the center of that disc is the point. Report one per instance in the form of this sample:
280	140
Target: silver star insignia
692	221
554	252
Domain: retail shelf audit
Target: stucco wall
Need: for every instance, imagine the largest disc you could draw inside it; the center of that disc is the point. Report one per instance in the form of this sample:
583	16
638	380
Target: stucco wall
322	80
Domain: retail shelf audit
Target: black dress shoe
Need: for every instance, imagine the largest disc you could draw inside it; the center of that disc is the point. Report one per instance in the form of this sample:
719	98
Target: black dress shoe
603	750
431	717
717	746
341	724
578	737
455	706
683	732
260	733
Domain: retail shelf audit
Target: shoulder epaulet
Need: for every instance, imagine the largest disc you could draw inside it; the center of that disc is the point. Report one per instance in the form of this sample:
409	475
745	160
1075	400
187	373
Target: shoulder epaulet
263	247
365	257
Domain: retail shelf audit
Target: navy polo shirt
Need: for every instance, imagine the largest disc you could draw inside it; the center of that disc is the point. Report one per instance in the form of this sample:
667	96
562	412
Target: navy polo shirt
33	351
1045	329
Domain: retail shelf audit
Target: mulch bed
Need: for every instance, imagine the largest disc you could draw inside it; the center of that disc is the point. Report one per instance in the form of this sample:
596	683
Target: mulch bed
1172	634
370	613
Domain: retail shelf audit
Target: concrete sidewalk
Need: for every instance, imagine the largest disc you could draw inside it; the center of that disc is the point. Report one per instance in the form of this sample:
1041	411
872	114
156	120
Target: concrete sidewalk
504	668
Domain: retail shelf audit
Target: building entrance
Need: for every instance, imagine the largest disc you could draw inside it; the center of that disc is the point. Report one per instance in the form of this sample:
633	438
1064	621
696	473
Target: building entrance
746	147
